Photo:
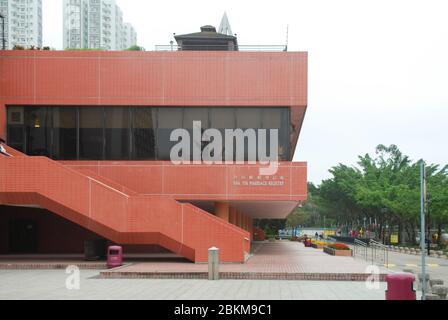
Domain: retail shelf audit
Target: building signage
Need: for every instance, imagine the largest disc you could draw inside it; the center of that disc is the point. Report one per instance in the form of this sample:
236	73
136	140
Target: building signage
394	238
259	181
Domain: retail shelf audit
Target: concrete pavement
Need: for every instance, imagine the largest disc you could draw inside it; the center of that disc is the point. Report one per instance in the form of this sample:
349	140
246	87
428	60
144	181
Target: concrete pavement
50	284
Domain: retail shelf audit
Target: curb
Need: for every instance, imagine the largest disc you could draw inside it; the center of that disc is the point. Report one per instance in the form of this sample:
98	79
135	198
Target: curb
241	276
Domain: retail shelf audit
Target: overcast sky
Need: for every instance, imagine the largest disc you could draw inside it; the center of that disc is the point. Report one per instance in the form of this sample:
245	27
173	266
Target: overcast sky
378	70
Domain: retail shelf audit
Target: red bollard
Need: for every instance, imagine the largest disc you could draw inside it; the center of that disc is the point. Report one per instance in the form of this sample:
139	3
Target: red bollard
114	256
400	286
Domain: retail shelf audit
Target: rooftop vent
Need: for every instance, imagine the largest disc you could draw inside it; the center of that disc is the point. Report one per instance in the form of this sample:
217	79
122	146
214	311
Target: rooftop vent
208	28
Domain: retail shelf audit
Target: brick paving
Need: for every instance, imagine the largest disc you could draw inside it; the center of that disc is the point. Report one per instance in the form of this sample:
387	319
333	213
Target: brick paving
43	262
280	260
51	284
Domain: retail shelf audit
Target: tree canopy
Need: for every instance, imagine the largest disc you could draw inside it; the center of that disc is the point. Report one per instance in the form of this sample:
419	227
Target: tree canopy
381	193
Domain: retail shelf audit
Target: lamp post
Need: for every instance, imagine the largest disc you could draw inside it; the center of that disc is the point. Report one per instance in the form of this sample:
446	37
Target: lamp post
3	31
382	230
428	222
422	225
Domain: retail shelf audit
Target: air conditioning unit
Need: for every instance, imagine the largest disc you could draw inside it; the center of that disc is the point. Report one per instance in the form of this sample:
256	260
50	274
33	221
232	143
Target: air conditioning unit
15	116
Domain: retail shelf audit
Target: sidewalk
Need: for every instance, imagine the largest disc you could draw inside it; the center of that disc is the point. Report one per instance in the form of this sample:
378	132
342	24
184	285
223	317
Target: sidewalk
281	260
50	284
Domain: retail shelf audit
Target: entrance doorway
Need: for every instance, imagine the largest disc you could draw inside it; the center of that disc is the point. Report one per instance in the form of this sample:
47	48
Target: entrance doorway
22	236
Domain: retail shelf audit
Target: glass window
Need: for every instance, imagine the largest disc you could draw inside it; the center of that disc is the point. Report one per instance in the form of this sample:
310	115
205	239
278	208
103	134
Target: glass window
139	133
65	133
91	133
196	114
117	133
143	133
169	119
277	118
16	130
38	131
271	118
248	118
221	119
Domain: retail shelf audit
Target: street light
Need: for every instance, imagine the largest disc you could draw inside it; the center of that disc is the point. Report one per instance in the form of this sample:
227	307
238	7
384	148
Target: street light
428	201
3	31
422	224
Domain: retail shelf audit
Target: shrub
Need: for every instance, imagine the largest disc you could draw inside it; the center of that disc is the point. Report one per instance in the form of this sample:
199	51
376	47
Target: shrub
339	246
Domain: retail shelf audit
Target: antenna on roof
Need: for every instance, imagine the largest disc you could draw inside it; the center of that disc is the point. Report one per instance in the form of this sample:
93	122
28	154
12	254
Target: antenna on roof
287	37
224	27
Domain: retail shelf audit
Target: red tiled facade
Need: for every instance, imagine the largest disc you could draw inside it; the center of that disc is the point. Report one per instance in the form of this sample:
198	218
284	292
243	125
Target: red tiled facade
153	202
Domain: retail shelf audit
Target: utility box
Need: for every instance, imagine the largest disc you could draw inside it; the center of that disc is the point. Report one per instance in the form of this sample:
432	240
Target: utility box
114	256
400	286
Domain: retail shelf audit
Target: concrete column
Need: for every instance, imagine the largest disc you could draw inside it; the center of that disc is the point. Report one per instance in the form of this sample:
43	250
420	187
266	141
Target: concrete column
232	215
251	228
239	219
222	210
213	263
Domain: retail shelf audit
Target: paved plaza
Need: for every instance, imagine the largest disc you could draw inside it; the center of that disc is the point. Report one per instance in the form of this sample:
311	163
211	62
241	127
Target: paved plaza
280	257
50	284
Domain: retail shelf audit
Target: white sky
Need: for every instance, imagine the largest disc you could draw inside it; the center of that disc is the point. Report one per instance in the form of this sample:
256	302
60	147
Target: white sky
378	70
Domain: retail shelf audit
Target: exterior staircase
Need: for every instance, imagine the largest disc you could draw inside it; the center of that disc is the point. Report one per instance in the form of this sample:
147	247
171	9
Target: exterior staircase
117	213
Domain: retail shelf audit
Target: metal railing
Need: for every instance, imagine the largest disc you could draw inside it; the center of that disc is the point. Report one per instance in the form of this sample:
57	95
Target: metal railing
373	251
360	249
379	253
175	47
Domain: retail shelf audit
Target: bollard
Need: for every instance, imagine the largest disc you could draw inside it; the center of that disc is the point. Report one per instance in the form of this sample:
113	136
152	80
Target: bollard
435	282
213	263
420	283
440	290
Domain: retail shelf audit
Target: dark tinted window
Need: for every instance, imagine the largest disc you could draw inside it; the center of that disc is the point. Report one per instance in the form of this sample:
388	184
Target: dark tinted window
38	125
277	118
65	133
143	133
169	119
123	133
91	133
117	124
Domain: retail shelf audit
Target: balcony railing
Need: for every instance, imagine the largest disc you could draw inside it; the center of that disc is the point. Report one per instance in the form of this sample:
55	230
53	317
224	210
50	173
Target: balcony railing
207	47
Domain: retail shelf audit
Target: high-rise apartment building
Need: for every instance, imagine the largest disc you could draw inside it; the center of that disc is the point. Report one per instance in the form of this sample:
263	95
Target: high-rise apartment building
23	22
94	24
129	36
75	24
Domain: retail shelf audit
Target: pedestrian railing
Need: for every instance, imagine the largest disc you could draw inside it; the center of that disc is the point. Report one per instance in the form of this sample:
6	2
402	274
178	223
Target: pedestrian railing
372	251
379	253
212	47
360	249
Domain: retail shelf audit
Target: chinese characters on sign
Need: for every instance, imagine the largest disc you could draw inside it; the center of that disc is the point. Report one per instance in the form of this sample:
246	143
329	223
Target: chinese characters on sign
256	181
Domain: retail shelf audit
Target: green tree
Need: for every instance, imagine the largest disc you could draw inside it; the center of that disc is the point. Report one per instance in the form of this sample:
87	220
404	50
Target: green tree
135	48
383	188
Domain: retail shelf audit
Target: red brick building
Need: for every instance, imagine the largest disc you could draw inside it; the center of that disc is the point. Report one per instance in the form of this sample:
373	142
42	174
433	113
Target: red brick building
88	134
